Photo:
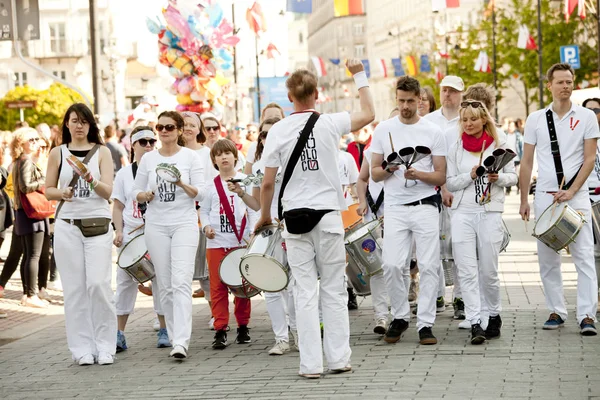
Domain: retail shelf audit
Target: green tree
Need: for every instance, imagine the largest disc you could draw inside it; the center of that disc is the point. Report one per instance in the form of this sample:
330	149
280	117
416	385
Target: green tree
51	104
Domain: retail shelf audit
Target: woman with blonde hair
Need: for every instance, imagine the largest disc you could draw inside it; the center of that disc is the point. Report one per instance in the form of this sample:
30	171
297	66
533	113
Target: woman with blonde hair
477	230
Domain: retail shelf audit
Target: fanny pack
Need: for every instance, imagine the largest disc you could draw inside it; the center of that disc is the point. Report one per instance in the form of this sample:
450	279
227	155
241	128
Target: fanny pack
303	220
91	227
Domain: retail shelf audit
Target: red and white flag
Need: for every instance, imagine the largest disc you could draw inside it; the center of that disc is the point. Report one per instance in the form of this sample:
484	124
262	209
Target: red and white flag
444	54
437	5
438	75
482	64
382	67
525	40
570	7
256	19
271	50
319	65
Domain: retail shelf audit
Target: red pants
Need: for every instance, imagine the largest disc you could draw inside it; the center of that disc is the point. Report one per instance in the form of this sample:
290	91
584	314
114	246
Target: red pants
219	294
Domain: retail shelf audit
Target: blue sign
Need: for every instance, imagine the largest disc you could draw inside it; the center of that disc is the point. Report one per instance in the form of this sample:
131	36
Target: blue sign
272	90
570	55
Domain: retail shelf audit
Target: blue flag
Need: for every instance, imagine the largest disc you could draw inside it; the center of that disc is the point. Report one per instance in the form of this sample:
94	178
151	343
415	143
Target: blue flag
398	70
334	61
425	66
299	6
367	67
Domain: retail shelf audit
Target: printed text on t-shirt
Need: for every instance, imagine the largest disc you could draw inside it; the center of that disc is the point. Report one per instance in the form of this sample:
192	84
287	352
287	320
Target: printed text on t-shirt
309	157
225	225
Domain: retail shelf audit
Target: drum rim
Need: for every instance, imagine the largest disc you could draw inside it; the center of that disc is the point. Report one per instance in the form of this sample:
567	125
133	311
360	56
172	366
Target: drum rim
283	268
351	230
123	249
221	263
551	226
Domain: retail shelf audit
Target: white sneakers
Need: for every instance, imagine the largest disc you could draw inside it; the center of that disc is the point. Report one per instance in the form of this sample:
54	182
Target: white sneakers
55	285
381	326
88	359
464	324
178	352
105	358
280	348
43	294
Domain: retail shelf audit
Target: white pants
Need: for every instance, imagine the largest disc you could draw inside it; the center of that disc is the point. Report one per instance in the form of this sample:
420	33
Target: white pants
127	287
476	234
582	252
380	296
322	252
173	252
456	289
280	306
402	223
85	266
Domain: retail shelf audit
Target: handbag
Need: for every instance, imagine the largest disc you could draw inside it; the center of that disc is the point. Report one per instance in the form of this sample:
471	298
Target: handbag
35	204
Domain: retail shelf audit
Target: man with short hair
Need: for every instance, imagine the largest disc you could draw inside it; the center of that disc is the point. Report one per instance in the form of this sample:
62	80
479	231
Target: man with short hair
564	136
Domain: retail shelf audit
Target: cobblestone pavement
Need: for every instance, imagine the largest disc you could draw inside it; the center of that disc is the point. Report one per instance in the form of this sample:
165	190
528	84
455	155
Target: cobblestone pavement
526	362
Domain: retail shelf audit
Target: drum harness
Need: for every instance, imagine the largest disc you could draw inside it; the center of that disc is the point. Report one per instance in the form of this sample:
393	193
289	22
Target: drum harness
556	152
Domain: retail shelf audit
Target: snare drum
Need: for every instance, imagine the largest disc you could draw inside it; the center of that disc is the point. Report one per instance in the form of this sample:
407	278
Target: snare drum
361	282
229	272
350	217
264	265
168	172
363	243
558	227
135	260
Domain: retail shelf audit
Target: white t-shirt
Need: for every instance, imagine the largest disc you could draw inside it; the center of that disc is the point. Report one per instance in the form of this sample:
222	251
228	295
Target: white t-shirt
251	153
315	182
123	191
593	181
208	168
259	166
440	120
171	205
473	192
213	214
422	133
576	126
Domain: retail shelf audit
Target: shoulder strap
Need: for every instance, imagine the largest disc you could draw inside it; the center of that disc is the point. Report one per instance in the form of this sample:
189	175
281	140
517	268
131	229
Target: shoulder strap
134	168
308	128
555	150
374	205
87	158
228	211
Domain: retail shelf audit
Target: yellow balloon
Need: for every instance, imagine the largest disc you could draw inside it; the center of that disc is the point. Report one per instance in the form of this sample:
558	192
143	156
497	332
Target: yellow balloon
184	99
220	79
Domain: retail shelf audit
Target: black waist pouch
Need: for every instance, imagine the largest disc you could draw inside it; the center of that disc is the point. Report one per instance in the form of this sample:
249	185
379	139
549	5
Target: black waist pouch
302	220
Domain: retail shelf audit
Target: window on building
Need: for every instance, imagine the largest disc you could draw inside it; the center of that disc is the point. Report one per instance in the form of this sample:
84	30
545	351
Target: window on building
359	50
61	74
58	42
358	29
20	78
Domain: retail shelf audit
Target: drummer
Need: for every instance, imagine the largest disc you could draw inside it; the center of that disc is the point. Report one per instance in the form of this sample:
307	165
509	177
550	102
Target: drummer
224	218
577	132
171	231
126	218
476	222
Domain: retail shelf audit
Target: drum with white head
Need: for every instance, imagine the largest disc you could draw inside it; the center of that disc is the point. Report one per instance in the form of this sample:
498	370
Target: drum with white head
558	226
135	260
168	172
229	272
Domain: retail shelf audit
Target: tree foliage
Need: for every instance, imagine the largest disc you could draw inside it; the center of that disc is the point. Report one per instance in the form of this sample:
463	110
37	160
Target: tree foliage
51	105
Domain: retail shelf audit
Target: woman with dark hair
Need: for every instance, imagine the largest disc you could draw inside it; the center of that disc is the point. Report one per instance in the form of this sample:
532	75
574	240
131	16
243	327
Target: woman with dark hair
212	127
83	235
171	230
253	152
426	102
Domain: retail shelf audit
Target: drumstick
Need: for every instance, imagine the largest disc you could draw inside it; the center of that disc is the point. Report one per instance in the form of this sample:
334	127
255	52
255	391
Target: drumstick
391	143
555	202
525	221
482	150
136	229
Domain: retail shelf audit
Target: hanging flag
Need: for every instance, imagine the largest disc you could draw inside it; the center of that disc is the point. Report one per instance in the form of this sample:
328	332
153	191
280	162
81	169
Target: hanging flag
256	19
437	5
438	75
570	7
341	8
334	61
443	54
482	64
425	66
382	67
299	6
367	66
411	65
319	65
398	70
525	40
271	50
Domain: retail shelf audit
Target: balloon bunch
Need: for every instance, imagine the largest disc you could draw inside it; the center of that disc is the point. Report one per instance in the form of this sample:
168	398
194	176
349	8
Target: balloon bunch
197	46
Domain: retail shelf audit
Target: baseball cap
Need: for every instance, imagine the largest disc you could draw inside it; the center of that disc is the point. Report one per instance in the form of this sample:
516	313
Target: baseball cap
454	82
145	134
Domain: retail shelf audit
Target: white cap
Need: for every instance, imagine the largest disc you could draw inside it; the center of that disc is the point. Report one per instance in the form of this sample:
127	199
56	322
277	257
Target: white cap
145	134
454	82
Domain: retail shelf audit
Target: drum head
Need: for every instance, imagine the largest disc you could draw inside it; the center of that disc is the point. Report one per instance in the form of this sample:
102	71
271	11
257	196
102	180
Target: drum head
132	252
360	231
229	270
264	273
548	218
167	175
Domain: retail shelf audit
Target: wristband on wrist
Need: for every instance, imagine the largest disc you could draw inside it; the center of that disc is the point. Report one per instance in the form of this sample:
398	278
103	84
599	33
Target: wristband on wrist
361	80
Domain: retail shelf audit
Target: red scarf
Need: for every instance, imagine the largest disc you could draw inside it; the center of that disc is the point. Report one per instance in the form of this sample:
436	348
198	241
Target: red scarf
239	146
473	144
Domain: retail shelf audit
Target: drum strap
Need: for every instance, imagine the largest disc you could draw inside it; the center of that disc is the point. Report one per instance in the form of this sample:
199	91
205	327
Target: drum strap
228	211
556	152
134	168
374	206
289	170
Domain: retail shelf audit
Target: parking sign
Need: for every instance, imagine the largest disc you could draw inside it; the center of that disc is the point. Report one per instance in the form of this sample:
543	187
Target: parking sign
570	55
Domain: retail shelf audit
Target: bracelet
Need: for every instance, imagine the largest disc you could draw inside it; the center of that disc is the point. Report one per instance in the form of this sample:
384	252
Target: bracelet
241	196
361	80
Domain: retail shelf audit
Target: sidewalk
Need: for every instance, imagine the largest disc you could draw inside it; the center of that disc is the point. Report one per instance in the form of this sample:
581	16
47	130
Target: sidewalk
526	362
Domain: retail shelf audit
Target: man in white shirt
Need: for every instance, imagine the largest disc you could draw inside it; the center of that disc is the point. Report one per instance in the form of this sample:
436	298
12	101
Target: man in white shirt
314	194
576	133
411	209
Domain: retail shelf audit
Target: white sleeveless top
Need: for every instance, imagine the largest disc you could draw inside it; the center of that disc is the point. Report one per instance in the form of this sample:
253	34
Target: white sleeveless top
85	203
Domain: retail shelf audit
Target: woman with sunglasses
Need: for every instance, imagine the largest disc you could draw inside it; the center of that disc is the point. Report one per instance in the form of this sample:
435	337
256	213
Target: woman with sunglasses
83	255
477	216
171	230
212	127
127	216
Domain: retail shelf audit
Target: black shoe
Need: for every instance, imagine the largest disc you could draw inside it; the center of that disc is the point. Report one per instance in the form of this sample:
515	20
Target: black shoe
352	303
477	334
220	340
459	308
395	330
493	328
243	335
426	336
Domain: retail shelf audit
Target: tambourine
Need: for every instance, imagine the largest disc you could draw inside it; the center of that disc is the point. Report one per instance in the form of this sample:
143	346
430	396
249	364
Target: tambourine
255	180
79	167
168	172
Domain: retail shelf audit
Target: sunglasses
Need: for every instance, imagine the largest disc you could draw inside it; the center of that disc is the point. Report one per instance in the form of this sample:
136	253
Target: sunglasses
211	128
168	127
144	142
472	103
34	139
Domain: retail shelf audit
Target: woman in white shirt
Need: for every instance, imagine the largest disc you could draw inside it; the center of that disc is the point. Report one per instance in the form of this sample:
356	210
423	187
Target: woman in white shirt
171	230
271	114
477	216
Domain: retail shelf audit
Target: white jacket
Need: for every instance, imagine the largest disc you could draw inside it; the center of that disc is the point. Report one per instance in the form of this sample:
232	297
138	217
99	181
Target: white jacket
458	180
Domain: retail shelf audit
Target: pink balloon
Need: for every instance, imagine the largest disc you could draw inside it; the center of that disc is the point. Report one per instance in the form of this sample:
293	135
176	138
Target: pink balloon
181	108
